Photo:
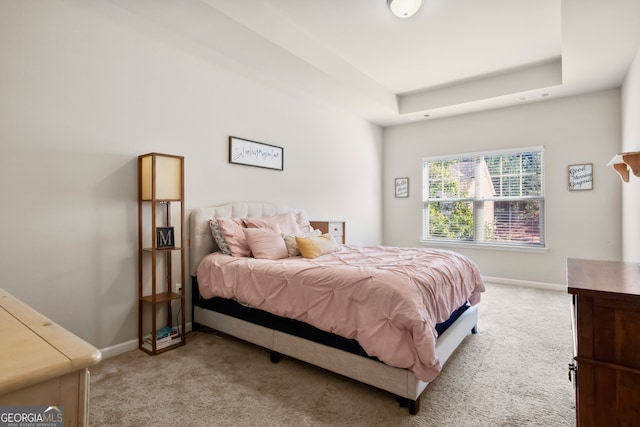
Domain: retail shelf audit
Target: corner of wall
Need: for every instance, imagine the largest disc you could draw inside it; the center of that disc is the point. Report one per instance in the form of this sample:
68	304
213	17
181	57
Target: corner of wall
630	99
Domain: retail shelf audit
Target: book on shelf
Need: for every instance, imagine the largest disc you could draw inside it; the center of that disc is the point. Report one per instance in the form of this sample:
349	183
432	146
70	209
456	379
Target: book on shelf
165	332
165	337
149	345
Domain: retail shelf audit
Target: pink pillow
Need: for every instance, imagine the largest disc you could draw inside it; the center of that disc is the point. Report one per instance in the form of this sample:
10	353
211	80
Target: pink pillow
304	226
266	243
286	222
232	230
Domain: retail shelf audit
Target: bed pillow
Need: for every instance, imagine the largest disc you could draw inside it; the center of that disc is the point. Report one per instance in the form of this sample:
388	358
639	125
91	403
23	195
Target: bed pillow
218	236
234	236
312	247
286	222
304	226
266	243
292	245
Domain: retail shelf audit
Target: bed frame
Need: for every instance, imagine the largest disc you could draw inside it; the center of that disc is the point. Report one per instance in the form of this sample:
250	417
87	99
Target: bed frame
401	382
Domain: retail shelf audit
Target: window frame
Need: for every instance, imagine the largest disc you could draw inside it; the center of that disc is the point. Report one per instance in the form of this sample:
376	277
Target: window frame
476	242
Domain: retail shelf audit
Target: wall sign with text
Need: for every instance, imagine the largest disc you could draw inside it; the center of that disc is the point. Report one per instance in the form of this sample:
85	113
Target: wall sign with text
252	153
402	187
581	177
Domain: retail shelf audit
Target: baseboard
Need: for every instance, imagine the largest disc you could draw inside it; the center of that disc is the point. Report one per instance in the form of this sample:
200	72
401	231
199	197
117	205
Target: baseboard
118	349
526	283
127	346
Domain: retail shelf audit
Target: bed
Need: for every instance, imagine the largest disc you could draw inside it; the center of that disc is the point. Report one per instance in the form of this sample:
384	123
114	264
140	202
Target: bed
327	318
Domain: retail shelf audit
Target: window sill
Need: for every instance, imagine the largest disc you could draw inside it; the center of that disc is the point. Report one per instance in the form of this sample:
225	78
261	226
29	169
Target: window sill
465	245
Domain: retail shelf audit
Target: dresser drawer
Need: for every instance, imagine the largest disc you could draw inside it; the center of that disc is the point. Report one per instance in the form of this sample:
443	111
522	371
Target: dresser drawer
336	229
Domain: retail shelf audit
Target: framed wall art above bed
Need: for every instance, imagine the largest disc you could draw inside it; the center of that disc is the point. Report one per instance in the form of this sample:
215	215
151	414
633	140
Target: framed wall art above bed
252	153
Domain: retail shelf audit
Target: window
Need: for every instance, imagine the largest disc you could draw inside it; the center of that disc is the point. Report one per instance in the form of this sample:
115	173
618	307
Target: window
494	198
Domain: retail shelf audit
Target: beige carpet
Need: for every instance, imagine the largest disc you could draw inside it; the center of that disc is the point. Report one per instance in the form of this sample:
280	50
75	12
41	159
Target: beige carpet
513	373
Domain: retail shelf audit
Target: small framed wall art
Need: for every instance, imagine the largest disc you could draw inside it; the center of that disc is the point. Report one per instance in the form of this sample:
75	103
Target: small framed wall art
581	177
252	153
402	187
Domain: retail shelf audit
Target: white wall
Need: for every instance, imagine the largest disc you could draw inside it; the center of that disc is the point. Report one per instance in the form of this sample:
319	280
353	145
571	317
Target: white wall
581	224
85	88
631	142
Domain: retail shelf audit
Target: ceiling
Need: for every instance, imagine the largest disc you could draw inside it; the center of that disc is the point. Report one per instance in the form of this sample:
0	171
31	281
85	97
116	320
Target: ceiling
452	57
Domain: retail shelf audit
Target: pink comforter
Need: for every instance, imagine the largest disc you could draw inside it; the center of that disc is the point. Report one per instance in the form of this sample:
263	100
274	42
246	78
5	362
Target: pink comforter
389	299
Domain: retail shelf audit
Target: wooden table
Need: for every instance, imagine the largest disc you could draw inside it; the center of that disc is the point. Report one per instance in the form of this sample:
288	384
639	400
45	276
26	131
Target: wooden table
43	364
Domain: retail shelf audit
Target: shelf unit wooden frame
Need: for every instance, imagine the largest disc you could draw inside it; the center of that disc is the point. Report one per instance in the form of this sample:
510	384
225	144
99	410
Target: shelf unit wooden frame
152	192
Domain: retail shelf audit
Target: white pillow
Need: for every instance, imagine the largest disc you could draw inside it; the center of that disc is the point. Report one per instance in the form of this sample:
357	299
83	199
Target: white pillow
292	245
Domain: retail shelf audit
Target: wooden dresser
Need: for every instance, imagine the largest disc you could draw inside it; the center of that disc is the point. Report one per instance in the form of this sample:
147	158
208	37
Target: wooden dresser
43	364
606	329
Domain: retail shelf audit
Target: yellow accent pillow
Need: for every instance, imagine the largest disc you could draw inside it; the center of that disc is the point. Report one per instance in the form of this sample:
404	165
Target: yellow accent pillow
311	247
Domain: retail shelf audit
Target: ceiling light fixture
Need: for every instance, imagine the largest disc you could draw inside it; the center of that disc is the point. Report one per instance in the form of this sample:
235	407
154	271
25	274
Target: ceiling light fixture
404	8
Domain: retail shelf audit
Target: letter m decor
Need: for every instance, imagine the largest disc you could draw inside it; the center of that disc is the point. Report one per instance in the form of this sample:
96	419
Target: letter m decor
164	237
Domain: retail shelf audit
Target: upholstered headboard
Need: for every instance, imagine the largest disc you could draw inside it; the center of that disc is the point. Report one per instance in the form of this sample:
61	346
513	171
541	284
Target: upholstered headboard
201	240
